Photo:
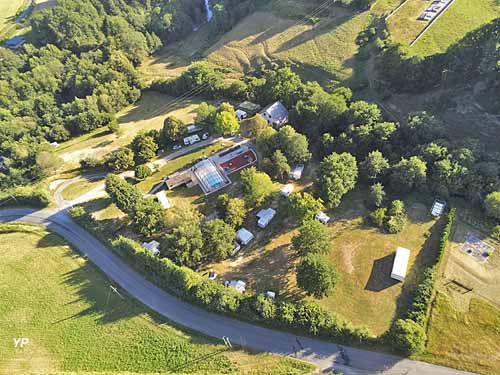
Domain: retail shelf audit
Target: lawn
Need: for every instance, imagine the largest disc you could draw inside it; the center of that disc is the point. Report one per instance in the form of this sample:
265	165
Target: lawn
77	189
468	339
460	18
363	256
148	113
75	323
8	11
319	48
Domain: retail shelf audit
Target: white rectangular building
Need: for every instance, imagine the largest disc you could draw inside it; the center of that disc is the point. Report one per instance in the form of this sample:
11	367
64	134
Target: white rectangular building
162	198
400	264
264	217
244	236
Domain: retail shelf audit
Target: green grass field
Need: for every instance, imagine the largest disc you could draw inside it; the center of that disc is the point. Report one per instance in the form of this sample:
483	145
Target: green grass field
467	339
462	17
8	11
63	305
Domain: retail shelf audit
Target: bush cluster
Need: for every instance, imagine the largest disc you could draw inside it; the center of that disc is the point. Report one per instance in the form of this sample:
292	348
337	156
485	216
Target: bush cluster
26	196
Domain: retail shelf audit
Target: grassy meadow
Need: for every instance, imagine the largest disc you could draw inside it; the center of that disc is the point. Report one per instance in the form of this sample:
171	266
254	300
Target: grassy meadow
467	339
8	11
75	323
460	18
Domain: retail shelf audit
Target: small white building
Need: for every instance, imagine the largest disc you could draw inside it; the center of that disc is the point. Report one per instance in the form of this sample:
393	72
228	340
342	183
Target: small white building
400	264
286	190
322	217
153	247
270	294
238	285
265	216
438	207
244	236
162	198
296	172
241	114
54	144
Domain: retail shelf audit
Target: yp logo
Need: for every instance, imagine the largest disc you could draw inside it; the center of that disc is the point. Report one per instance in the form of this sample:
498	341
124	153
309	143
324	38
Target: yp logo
21	342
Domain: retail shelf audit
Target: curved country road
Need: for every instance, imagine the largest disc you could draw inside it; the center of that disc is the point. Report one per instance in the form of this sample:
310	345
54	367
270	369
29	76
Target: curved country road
325	355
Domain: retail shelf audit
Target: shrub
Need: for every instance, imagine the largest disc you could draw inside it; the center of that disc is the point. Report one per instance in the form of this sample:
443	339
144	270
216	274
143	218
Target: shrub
316	275
91	163
396	221
378	217
142	171
492	204
26	196
408	337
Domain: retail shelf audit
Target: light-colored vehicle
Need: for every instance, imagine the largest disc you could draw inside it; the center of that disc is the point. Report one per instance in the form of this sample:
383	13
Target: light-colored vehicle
205	136
176	147
191	140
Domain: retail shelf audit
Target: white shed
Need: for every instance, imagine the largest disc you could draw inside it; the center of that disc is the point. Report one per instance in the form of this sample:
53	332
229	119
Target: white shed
264	216
162	198
286	190
322	217
400	264
239	285
244	236
152	247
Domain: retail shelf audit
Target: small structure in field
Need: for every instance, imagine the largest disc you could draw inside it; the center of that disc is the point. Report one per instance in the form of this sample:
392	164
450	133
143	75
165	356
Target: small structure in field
238	285
265	216
438	207
153	247
244	236
400	264
162	198
236	249
286	190
296	172
212	275
270	294
322	217
275	114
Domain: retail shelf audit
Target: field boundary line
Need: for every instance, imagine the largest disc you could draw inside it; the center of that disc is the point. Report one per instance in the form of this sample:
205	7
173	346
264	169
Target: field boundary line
396	10
426	28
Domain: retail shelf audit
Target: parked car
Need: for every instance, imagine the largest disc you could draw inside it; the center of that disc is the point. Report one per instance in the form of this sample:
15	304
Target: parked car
205	136
176	147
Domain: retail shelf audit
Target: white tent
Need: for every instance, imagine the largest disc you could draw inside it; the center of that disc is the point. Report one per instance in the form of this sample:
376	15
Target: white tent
400	264
162	198
244	236
152	247
322	217
286	190
265	216
239	285
296	172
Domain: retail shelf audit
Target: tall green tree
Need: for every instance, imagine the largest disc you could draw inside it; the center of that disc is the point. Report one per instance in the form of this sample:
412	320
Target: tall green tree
316	275
338	174
226	123
257	186
173	130
313	238
144	147
219	240
303	206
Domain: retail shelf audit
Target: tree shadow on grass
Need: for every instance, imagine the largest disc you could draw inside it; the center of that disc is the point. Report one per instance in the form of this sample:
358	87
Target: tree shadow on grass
380	276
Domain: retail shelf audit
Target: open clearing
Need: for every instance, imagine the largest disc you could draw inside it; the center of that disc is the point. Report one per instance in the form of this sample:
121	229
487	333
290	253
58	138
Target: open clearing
363	256
148	113
8	10
280	31
465	339
460	18
74	322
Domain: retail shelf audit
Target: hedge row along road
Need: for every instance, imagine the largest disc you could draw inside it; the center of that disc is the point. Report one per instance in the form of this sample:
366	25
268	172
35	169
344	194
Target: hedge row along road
325	355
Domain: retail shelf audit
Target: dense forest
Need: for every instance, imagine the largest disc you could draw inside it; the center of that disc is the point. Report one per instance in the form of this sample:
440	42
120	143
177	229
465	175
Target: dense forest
80	69
476	56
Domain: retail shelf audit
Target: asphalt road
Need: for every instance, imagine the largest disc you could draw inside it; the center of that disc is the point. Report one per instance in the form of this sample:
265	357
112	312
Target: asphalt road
327	356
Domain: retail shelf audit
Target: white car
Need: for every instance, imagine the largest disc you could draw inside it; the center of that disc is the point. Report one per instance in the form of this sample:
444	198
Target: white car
205	136
176	147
